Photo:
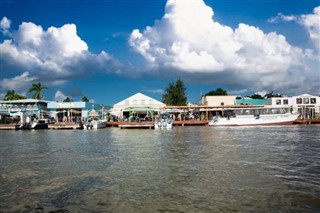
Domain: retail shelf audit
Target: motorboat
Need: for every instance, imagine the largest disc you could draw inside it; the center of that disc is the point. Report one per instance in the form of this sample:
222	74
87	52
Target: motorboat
40	123
95	124
163	122
254	116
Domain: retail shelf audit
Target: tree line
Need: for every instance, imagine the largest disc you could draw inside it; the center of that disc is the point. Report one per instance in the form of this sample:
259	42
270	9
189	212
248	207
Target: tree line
37	90
174	95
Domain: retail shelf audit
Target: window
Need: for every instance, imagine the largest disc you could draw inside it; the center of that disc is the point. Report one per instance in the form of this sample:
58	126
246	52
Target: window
306	100
299	100
313	101
222	104
143	102
285	102
135	102
126	102
278	102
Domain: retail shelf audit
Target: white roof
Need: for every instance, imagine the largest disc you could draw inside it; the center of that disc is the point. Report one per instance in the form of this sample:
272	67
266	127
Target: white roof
139	96
306	95
22	101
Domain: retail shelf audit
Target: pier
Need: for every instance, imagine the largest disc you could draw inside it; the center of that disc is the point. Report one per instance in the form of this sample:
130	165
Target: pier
307	121
9	126
150	124
136	125
65	126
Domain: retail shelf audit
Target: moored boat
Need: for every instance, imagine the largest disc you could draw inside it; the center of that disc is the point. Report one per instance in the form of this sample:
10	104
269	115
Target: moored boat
95	124
40	123
254	116
163	122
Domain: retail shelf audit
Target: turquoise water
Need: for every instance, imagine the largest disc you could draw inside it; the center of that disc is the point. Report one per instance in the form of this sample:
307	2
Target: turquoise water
186	169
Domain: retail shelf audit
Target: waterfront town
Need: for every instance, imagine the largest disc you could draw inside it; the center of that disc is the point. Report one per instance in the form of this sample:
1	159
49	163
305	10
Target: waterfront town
140	110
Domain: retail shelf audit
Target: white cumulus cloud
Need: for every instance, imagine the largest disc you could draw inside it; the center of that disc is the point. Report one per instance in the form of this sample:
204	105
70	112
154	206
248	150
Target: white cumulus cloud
59	96
5	24
312	23
19	83
188	39
55	55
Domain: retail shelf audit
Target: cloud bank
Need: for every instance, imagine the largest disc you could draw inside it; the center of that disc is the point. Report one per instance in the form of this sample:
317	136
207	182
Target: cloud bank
186	42
189	40
52	56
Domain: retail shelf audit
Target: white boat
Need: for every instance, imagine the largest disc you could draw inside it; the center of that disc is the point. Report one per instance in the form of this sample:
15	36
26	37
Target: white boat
95	124
40	123
163	122
254	116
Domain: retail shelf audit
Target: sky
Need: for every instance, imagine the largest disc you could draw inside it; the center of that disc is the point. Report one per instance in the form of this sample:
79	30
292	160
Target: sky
108	50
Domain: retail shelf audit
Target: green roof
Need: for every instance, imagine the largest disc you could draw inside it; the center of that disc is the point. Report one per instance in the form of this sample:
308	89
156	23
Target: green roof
251	101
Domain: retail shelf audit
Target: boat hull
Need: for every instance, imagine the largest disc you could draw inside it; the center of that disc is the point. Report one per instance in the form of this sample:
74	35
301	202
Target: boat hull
163	124
262	120
95	125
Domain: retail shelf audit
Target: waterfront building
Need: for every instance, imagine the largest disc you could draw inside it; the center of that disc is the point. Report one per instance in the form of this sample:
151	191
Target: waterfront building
307	105
222	100
138	104
74	111
31	107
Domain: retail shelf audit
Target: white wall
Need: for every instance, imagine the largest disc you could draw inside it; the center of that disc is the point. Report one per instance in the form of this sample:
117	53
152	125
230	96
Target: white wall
218	100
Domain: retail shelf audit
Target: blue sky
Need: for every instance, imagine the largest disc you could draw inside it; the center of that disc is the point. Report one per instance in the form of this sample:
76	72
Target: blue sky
108	50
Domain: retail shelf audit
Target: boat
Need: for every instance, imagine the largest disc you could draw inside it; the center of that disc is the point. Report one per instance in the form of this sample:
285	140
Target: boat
40	123
254	116
95	124
163	122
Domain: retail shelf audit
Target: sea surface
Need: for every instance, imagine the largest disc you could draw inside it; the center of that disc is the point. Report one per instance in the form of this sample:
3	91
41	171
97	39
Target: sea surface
186	169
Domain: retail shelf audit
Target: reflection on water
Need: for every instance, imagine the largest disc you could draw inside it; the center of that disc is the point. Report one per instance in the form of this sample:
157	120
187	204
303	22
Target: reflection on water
186	169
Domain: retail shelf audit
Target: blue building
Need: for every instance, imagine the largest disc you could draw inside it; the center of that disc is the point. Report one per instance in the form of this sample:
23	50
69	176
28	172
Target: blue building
74	111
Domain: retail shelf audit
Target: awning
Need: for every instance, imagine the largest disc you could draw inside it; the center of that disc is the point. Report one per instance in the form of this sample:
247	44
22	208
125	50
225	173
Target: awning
139	109
75	111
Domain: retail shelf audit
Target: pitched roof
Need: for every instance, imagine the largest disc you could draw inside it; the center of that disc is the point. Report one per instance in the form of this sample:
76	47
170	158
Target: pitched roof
140	96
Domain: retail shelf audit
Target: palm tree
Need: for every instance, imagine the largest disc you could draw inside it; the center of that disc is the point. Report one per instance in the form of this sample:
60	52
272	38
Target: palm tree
68	100
37	89
84	99
12	95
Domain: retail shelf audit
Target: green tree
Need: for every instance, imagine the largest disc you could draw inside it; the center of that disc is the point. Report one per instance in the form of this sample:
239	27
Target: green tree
84	99
68	100
37	88
175	94
271	94
217	92
256	96
12	95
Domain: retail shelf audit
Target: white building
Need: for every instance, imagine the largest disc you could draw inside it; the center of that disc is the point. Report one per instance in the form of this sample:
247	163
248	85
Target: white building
307	105
137	103
218	100
69	110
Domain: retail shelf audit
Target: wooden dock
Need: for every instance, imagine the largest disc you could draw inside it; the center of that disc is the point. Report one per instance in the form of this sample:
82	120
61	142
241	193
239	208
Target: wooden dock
191	123
125	125
150	124
307	121
65	126
9	126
